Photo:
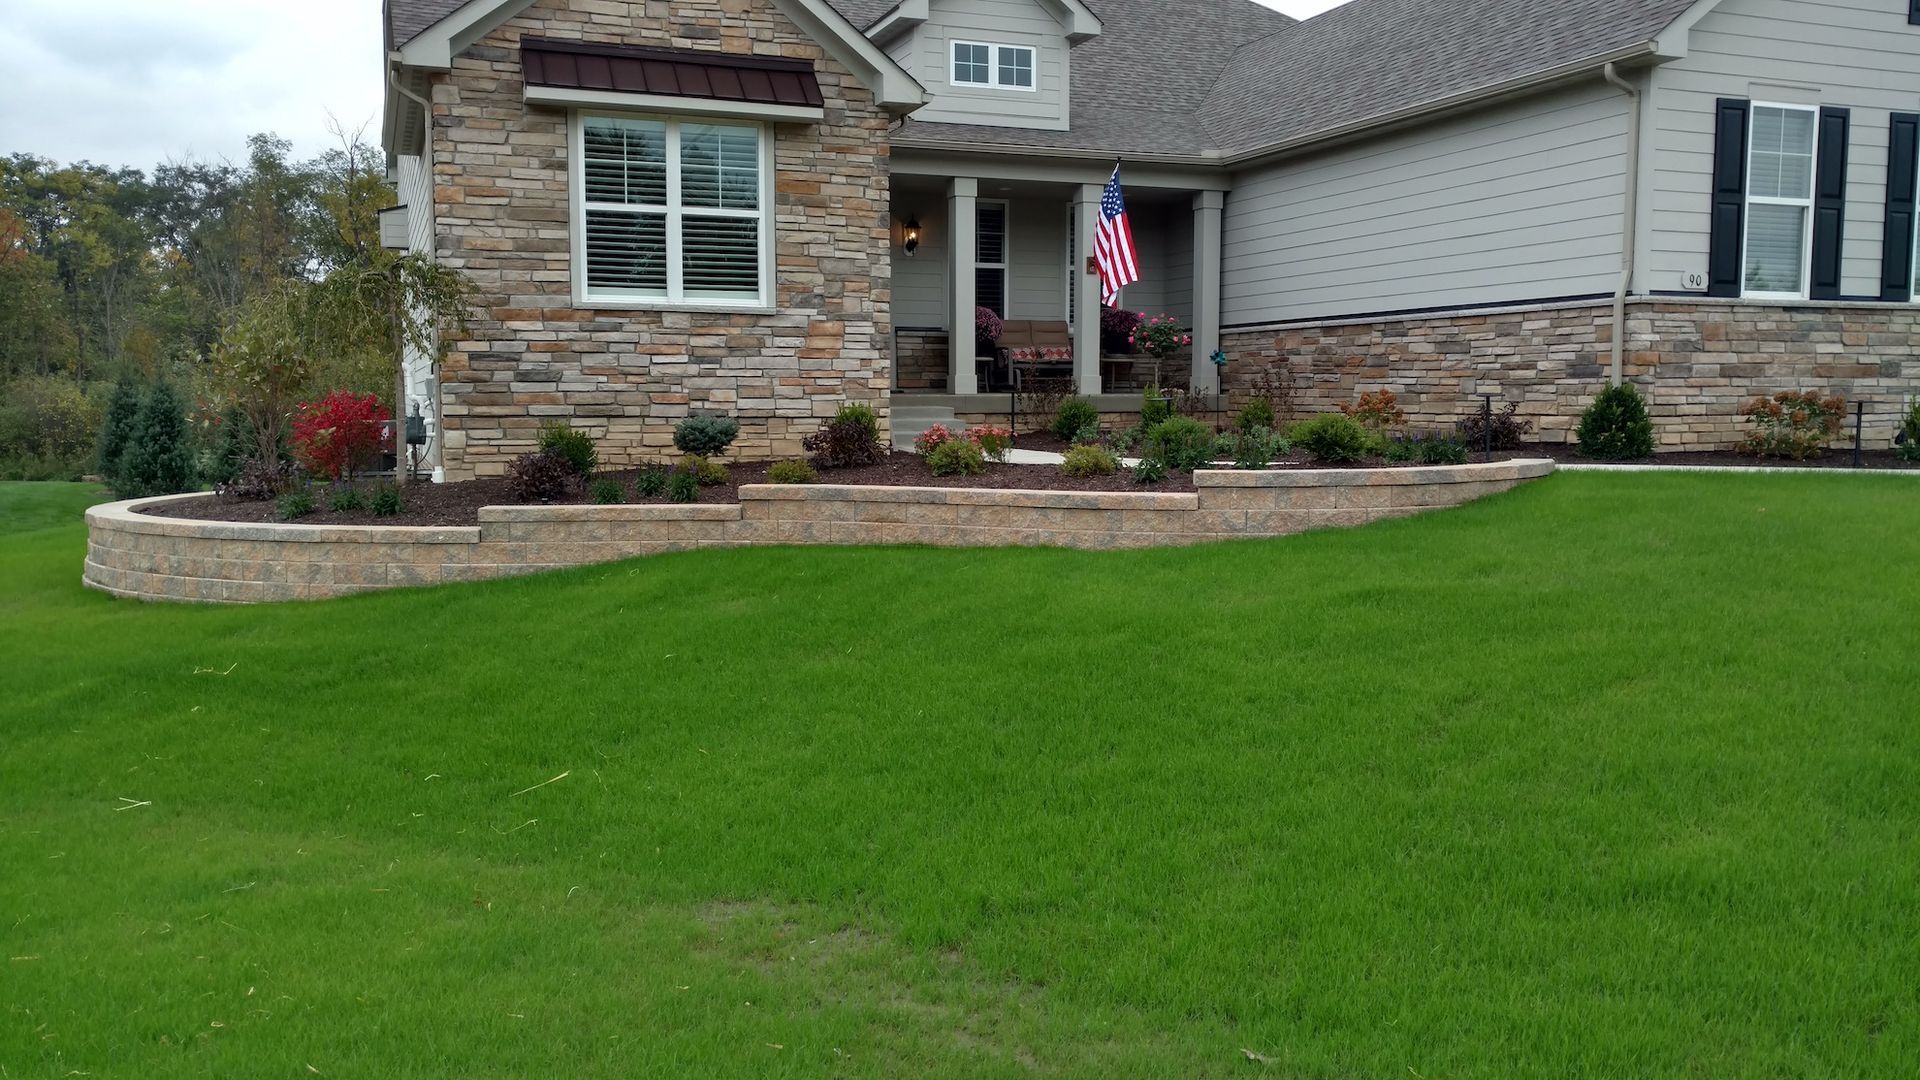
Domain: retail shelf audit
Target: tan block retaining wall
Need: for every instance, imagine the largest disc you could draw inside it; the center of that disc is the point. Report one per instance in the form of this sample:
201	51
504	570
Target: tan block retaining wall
1697	361
156	558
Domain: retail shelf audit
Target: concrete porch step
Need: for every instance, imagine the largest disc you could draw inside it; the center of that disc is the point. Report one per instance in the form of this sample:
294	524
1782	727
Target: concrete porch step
909	421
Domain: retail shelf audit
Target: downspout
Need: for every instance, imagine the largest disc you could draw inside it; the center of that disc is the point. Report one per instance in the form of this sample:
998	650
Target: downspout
1630	212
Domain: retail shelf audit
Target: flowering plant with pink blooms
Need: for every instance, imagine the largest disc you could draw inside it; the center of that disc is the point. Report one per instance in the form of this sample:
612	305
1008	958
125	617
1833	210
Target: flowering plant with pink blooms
927	441
992	441
1160	335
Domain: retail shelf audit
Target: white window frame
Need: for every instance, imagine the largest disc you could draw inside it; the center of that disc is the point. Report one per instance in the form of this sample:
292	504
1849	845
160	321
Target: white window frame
1813	190
676	298
1005	265
1913	268
993	66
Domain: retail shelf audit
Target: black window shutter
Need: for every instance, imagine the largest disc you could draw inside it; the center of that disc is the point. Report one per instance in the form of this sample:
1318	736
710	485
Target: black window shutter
1830	202
1913	12
1724	254
1903	160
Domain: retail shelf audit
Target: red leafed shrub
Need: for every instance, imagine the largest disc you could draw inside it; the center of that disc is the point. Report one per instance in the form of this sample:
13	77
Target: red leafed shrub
339	434
1795	424
1378	411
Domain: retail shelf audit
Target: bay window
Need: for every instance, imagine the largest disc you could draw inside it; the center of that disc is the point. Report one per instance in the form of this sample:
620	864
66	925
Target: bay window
671	213
1780	172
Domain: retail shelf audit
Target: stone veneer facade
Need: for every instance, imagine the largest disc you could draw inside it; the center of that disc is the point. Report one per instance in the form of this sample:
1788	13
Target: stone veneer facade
1697	361
501	203
144	556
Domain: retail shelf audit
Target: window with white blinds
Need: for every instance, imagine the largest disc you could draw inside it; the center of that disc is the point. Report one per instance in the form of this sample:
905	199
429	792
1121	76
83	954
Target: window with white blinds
990	256
671	212
1780	164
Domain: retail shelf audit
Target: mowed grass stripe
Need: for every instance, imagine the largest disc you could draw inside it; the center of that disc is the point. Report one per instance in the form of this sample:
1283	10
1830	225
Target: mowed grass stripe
1612	775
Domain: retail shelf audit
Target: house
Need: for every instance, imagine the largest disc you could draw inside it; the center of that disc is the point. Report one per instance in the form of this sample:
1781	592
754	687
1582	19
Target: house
775	207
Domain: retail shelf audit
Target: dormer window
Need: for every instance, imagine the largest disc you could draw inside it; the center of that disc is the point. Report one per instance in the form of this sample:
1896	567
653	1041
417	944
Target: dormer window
1002	67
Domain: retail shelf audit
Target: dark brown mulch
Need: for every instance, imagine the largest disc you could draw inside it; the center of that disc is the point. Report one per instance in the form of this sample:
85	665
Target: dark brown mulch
460	503
1832	459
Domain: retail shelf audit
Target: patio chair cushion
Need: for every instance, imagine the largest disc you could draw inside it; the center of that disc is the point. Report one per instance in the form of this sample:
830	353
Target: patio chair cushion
1030	340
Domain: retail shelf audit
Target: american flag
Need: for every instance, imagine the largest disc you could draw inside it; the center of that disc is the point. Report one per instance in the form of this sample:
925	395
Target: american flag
1113	244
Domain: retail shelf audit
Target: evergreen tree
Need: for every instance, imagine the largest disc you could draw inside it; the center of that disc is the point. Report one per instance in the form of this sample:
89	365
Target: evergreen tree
117	429
158	459
233	445
1616	427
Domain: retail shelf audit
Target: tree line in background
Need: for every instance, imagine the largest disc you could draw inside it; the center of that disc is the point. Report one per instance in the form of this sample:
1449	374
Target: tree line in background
163	330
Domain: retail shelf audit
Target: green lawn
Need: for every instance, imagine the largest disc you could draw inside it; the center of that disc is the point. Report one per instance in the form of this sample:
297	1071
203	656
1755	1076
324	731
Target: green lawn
1612	776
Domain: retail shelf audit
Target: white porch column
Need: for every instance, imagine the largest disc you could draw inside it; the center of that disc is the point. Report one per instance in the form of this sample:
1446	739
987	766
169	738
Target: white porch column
962	194
1086	292
1208	208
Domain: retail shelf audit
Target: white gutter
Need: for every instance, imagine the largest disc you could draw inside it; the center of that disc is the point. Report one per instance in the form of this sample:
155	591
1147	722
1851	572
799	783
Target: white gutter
1630	210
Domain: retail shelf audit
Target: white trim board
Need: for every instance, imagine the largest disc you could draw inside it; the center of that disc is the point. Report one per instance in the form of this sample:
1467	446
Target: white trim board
662	103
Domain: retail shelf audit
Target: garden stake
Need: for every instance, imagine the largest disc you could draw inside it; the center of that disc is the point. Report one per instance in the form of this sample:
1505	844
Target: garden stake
1859	415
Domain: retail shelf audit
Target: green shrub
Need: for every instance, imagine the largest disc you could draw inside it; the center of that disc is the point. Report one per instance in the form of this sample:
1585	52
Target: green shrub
1155	407
850	439
1794	424
116	431
957	457
540	478
294	504
791	472
345	499
1257	414
575	447
1426	450
1151	470
386	501
1908	441
1333	437
158	459
1085	462
608	492
706	434
1182	443
1124	442
683	486
1616	426
708	473
652	482
1075	415
1253	449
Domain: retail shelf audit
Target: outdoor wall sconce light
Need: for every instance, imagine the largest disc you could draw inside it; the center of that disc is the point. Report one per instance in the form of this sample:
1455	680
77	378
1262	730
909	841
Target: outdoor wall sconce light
911	245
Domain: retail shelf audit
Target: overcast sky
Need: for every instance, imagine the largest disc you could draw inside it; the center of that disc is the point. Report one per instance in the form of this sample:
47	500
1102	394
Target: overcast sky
139	82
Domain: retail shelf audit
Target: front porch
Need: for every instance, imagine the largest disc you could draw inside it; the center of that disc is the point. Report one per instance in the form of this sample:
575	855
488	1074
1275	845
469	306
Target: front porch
1022	248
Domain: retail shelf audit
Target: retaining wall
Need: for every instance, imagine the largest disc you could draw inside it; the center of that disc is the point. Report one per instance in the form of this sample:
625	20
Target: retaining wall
149	557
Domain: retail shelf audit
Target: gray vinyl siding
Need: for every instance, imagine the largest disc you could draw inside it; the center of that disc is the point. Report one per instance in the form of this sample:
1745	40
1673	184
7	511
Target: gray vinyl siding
413	187
990	22
1858	54
1163	246
1517	202
1036	260
920	283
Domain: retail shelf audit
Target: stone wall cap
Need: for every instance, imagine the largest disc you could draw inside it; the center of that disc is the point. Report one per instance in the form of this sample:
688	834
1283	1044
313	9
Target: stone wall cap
1051	500
126	517
1518	469
493	515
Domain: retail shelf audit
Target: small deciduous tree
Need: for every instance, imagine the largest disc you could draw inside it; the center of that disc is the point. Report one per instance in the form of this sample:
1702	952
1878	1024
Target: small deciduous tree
338	435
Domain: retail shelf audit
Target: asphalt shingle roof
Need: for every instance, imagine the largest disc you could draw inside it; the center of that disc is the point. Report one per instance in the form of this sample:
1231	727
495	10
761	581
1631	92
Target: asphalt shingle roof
1193	77
1377	57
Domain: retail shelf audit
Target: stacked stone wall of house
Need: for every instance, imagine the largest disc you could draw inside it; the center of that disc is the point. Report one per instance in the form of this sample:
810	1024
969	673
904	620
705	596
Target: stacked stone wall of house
501	200
920	361
1697	362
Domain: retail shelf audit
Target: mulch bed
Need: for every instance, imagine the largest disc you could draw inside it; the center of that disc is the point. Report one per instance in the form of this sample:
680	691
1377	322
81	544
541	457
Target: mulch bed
460	503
